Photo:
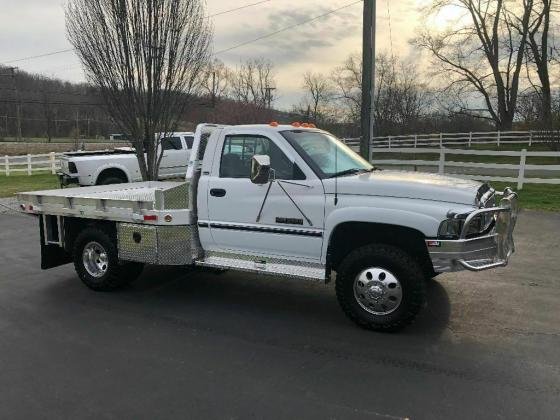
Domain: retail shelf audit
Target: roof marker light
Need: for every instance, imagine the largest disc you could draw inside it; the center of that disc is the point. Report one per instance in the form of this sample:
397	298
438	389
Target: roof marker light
311	125
296	124
305	125
274	124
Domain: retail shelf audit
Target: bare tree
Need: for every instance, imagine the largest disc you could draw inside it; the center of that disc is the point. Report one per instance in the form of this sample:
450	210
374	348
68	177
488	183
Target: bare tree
485	55
400	99
318	95
145	57
347	81
253	83
215	81
540	55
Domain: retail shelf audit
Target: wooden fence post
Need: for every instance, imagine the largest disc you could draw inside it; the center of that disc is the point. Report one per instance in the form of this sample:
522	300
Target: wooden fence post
7	164
498	139
521	175
415	140
441	167
389	142
29	168
530	138
53	162
470	139
440	140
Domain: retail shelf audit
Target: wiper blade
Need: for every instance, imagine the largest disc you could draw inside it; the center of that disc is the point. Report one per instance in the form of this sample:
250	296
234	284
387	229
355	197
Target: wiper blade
350	172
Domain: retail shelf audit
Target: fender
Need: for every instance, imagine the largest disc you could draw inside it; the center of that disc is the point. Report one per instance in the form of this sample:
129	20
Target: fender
427	225
111	165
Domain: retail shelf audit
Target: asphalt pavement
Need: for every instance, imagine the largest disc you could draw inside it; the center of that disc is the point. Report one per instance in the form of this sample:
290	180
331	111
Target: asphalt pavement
200	345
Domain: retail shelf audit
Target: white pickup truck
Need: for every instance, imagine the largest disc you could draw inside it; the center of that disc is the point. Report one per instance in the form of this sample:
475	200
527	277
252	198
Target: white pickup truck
121	165
286	200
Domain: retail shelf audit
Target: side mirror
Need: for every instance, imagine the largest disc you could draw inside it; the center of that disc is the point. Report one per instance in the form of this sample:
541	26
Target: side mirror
260	169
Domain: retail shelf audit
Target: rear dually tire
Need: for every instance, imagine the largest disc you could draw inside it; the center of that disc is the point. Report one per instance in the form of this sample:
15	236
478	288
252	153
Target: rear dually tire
97	263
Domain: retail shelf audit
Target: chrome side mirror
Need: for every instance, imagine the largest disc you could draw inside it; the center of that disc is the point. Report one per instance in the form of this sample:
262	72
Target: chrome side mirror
260	169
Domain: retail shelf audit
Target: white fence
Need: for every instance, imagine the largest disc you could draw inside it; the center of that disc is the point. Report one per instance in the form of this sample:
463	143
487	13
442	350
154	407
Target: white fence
30	164
497	138
442	164
50	162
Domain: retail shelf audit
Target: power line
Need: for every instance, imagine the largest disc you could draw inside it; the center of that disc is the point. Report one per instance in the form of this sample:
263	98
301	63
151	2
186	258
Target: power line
31	57
239	8
287	28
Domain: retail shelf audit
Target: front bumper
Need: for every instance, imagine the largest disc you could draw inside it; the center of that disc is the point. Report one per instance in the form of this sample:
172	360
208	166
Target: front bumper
66	179
483	252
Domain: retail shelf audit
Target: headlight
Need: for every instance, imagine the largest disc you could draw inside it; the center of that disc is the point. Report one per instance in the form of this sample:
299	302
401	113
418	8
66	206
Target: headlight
452	227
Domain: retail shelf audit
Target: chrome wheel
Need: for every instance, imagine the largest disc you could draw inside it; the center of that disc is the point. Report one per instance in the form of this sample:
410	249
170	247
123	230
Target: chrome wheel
95	259
377	291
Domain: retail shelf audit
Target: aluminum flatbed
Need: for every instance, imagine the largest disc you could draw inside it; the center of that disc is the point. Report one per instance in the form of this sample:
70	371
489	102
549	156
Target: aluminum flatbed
156	203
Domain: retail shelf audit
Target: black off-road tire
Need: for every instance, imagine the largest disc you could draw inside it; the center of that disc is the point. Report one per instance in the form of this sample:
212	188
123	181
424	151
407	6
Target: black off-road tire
111	180
117	274
404	267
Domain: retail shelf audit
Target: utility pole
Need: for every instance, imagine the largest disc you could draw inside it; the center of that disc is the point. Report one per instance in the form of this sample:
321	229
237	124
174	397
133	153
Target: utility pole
77	130
368	78
12	74
213	93
18	106
268	95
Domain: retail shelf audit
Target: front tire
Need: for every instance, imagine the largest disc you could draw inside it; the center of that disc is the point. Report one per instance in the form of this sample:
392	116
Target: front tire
97	262
380	287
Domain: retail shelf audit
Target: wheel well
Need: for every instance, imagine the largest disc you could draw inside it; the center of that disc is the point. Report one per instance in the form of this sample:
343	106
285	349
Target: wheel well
73	226
351	235
112	172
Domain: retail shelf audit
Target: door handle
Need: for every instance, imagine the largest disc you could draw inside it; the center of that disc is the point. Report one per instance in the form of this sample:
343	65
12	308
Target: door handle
217	192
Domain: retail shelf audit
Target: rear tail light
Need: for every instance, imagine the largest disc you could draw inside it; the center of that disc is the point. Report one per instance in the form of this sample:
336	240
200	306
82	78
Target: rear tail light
150	218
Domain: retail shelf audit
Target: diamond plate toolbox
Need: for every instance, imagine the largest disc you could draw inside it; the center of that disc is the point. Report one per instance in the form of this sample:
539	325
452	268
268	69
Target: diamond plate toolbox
164	245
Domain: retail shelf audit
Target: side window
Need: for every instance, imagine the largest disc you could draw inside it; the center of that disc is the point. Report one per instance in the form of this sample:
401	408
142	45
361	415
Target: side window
239	150
171	143
189	140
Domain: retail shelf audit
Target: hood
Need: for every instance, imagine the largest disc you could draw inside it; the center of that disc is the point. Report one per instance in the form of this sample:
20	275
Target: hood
401	184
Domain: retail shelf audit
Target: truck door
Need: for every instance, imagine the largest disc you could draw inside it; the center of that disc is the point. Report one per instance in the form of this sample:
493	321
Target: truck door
292	217
175	157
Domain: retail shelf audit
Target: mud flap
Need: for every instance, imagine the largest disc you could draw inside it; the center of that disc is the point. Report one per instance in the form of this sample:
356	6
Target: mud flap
52	255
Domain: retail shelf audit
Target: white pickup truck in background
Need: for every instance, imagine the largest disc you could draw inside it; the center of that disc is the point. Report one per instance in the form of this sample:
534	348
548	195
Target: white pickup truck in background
121	165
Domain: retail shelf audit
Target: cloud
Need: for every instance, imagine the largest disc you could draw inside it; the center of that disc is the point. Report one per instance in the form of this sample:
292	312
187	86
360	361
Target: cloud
31	27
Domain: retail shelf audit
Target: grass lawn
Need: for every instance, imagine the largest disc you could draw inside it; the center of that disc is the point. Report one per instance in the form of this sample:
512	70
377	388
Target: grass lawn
533	196
9	185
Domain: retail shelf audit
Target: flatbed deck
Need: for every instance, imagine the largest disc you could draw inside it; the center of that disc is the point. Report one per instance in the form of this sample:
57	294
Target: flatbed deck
118	202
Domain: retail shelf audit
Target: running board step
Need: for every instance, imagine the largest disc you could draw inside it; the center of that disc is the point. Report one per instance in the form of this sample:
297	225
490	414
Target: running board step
263	265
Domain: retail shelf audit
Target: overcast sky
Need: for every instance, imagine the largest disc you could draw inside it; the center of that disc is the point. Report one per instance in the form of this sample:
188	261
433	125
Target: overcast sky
32	27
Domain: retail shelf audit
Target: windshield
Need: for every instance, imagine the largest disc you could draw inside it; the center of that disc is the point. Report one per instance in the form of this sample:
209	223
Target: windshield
326	154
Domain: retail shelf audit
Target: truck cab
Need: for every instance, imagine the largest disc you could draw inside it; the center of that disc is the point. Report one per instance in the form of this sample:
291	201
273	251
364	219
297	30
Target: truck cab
289	200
